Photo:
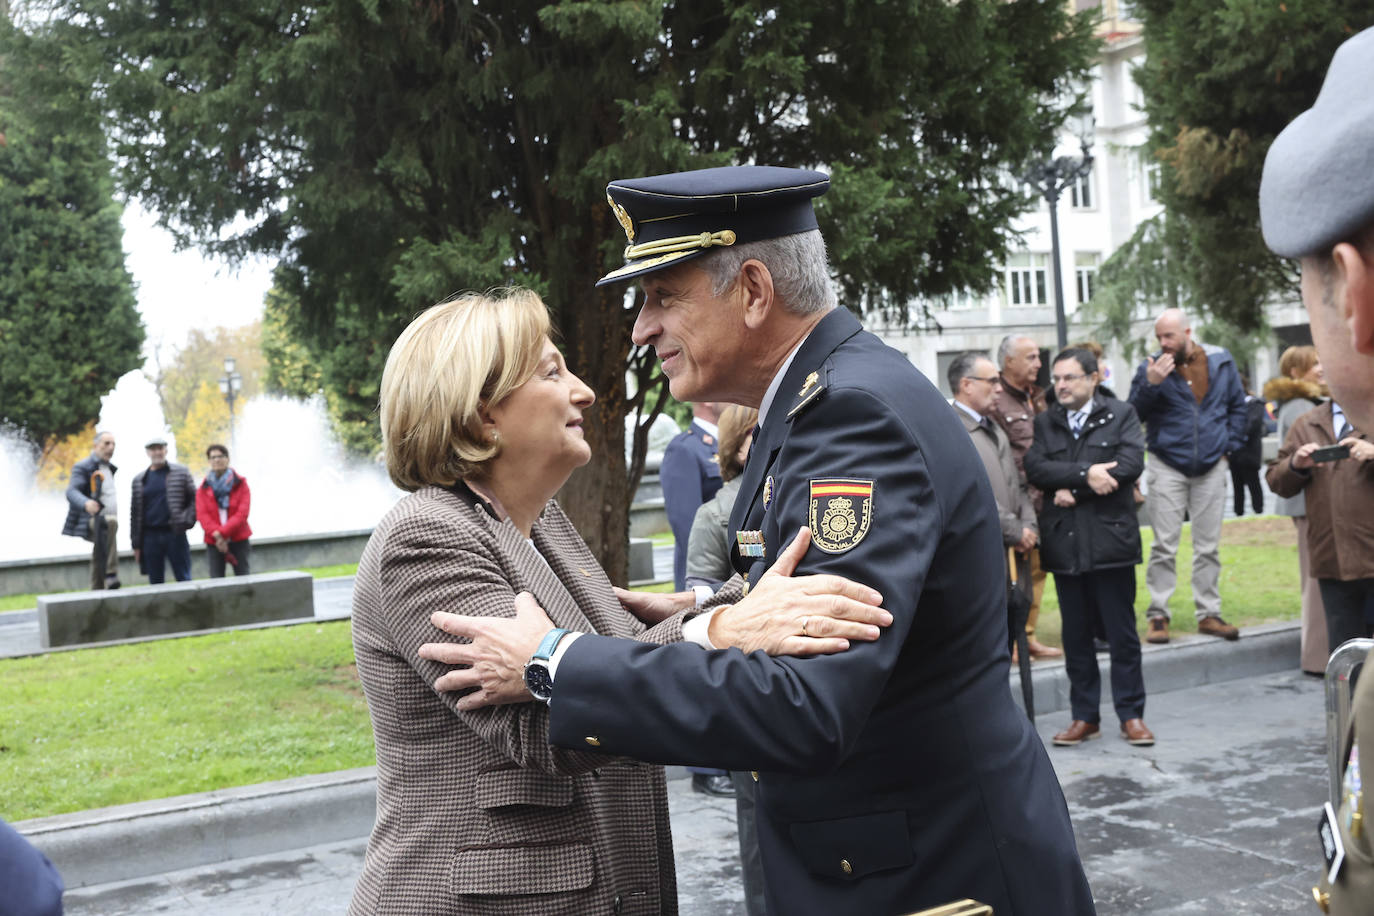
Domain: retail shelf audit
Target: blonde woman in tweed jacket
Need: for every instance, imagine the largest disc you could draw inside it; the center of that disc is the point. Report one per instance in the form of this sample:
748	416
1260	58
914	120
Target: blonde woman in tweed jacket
476	811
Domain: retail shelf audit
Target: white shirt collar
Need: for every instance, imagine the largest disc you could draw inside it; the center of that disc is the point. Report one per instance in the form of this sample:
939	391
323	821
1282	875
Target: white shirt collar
1085	411
774	385
708	426
977	417
1337	415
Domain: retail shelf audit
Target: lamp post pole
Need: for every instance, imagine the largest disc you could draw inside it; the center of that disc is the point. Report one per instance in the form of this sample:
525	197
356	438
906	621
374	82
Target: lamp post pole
1050	177
229	385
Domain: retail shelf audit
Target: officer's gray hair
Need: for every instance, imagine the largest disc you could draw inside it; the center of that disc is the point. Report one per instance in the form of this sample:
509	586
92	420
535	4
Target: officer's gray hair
801	275
1006	346
101	434
962	367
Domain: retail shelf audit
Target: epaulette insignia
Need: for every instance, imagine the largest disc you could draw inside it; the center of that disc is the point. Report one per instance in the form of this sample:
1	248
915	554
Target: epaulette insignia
811	389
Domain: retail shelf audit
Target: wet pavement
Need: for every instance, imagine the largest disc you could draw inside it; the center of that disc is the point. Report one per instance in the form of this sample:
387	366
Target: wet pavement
1219	817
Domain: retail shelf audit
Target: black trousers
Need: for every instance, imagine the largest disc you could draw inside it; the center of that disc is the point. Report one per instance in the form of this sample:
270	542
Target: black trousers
1108	594
1243	478
1349	609
240	550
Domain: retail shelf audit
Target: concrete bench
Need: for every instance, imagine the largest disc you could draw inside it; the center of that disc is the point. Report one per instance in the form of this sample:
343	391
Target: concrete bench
175	607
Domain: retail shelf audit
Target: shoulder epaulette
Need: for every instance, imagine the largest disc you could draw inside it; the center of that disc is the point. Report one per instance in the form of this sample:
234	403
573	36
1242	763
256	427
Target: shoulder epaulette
810	392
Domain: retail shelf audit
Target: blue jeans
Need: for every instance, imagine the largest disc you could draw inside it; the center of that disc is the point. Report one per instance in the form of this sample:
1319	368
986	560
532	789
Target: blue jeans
161	544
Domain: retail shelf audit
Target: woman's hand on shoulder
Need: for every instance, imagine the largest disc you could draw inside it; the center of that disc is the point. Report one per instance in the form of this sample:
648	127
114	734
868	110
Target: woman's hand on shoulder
654	607
805	615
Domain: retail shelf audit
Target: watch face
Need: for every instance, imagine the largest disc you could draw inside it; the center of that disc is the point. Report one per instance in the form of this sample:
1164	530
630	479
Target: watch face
538	681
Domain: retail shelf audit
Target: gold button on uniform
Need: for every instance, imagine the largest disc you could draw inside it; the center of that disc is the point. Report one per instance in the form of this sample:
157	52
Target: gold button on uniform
1323	899
755	774
593	741
846	867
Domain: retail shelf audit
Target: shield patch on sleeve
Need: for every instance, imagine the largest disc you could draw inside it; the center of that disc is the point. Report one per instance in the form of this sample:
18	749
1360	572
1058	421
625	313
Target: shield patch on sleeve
841	509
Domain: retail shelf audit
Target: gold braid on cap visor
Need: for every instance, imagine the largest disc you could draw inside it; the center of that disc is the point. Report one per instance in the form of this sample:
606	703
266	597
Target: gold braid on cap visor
680	243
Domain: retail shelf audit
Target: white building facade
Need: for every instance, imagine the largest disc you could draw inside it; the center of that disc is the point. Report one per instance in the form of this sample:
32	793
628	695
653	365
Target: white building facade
1096	216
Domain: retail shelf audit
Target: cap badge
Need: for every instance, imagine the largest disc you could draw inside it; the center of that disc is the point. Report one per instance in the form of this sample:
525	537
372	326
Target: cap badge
623	215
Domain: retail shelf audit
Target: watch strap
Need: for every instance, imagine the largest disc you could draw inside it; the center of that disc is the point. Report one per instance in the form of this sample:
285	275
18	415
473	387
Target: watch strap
549	643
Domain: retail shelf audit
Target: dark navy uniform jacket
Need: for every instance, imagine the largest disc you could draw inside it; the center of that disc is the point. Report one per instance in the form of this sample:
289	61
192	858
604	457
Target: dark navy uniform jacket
689	476
896	775
29	884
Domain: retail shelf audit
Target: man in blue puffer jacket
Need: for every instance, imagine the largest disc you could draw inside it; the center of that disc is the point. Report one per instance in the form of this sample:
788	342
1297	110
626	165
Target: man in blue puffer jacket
1193	404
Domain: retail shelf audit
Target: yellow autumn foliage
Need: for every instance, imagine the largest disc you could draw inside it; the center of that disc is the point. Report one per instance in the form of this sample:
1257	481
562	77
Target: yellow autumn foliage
206	422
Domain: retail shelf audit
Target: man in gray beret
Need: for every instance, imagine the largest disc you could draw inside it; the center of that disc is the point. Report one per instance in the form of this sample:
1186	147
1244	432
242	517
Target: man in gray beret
1317	204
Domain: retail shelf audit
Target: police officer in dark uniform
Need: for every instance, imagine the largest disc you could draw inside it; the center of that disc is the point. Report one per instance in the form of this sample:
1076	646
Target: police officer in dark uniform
895	775
689	476
1317	204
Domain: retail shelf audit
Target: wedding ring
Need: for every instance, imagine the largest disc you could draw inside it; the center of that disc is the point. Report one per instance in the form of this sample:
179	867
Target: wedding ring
803	626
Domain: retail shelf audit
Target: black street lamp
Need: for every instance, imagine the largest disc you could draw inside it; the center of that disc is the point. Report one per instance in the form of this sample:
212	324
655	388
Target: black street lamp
1050	177
230	384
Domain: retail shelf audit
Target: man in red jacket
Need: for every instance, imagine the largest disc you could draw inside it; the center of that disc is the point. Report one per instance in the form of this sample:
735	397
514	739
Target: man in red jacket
222	510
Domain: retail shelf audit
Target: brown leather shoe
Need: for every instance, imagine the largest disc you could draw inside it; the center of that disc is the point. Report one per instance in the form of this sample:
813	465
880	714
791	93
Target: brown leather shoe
1158	632
1215	626
1078	732
1135	732
1040	650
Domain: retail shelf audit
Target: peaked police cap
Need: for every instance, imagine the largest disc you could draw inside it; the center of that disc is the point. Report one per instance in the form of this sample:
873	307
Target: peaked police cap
669	219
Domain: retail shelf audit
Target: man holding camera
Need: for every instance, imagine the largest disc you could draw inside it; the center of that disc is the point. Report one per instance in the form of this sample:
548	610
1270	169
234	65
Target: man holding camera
1330	460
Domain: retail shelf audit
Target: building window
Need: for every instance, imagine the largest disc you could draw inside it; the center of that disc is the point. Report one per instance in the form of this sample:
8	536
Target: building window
1150	177
1081	192
961	301
1085	274
1025	279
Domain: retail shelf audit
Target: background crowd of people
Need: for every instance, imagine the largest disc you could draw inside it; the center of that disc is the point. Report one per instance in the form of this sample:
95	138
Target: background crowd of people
164	505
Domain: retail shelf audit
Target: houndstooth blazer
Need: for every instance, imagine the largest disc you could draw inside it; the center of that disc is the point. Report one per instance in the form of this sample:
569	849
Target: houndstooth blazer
476	811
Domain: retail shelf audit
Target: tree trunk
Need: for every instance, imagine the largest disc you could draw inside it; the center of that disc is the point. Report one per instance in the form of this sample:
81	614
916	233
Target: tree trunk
595	329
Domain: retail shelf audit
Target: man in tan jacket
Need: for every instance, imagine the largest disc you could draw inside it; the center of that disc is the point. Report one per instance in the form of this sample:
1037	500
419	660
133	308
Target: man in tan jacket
1317	204
973	379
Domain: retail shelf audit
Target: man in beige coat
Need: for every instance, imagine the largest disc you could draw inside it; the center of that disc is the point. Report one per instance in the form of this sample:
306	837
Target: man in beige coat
1317	204
974	381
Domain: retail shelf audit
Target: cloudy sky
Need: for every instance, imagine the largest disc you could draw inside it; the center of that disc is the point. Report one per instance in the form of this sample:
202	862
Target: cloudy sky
179	291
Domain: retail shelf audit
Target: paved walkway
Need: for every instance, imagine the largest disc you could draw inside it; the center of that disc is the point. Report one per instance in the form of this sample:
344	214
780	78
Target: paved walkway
1219	817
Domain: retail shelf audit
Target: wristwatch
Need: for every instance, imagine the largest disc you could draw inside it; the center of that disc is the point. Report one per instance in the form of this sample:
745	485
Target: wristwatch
538	678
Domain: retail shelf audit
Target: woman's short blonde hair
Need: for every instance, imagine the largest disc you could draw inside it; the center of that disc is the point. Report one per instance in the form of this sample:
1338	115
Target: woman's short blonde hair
734	426
454	359
1297	361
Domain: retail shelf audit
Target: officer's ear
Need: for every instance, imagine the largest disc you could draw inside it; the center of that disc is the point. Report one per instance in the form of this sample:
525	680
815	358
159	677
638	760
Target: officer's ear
1355	268
755	287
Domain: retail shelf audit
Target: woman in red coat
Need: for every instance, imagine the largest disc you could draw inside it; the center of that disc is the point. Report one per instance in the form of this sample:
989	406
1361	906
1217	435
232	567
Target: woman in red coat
222	509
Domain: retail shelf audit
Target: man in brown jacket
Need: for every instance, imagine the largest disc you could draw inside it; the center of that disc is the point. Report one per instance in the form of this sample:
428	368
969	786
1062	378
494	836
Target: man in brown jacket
1015	406
1317	204
1340	513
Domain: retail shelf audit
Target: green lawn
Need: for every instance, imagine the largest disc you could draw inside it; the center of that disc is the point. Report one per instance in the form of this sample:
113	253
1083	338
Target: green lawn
96	727
107	726
1259	578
